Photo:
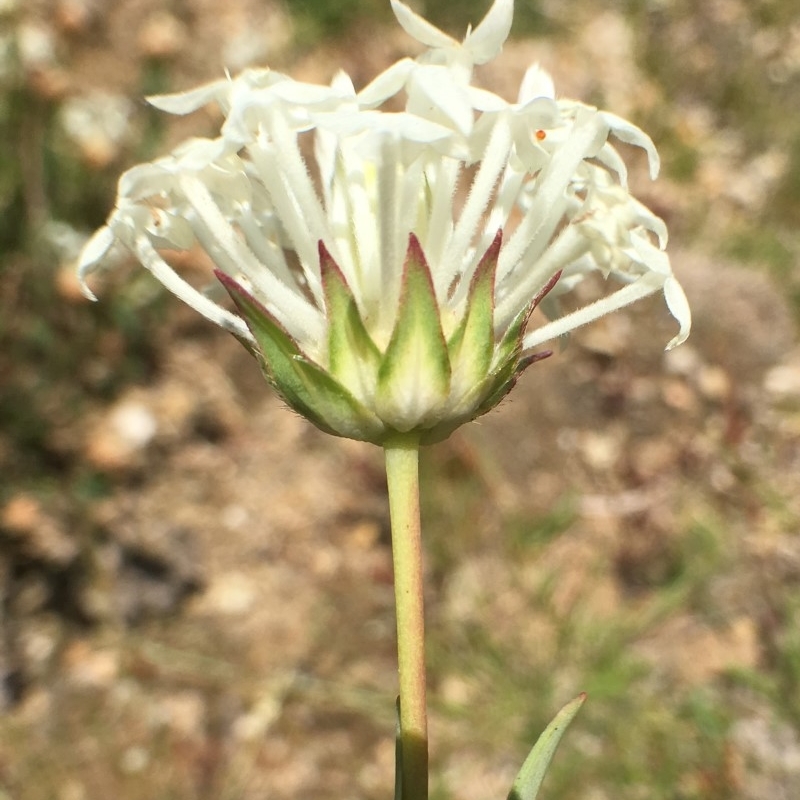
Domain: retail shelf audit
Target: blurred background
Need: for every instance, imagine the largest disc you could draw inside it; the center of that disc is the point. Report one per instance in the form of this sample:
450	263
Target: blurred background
195	584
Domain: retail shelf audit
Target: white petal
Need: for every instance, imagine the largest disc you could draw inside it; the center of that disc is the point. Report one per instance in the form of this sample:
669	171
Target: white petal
387	84
145	180
654	258
483	100
486	41
433	92
97	246
628	132
420	28
405	126
173	230
645	217
195	154
93	251
342	84
536	83
678	306
186	102
539	112
303	94
611	159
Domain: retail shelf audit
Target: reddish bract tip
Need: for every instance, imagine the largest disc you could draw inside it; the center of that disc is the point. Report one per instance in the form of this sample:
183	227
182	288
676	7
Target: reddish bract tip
415	248
494	248
546	289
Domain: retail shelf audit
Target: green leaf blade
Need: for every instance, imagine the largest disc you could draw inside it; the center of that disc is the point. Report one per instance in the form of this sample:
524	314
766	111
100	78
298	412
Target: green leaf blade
529	780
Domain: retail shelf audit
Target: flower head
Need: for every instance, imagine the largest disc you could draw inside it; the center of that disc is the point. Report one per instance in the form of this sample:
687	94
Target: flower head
384	275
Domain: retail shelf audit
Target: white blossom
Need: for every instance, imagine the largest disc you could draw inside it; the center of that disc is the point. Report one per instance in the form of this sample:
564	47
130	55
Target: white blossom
456	165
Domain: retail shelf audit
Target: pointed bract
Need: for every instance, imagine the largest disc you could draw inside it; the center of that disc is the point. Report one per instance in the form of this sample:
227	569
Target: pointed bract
305	386
414	376
471	347
353	357
486	41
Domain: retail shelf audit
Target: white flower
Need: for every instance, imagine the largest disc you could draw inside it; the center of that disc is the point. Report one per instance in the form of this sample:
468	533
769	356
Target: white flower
370	278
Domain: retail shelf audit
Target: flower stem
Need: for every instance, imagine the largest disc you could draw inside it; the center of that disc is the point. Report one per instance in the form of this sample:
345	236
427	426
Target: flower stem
402	472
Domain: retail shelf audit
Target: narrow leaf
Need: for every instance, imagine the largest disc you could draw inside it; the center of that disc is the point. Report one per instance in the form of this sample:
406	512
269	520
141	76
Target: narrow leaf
398	756
527	783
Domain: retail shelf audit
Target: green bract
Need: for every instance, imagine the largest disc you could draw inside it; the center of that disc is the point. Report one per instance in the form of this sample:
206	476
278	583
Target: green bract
362	246
419	382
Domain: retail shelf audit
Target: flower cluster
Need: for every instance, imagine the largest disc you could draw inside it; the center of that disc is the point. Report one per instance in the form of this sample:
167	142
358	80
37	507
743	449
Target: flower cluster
384	264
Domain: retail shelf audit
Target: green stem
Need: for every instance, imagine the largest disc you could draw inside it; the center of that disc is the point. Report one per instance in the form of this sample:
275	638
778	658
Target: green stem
402	472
